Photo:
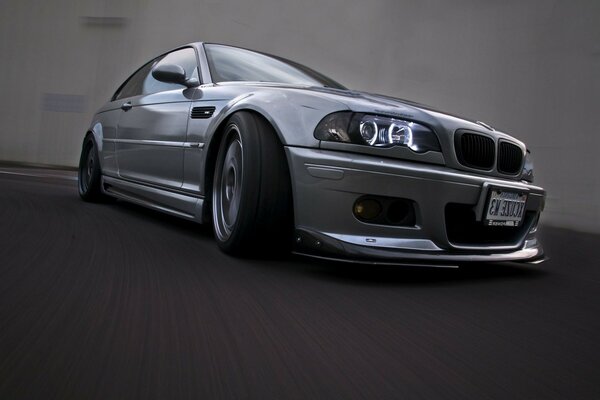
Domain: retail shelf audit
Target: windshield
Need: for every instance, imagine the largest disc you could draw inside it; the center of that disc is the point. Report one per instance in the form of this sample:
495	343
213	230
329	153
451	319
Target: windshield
229	64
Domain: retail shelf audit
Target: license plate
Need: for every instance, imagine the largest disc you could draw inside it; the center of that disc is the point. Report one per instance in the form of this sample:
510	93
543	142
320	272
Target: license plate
505	208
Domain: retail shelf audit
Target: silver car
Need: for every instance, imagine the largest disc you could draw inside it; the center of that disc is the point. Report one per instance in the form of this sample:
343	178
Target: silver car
279	157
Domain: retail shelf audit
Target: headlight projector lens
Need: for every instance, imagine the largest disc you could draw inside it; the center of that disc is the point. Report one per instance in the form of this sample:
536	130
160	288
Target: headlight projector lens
368	131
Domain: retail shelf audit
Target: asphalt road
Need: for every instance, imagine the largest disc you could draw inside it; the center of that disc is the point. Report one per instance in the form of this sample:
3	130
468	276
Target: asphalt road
112	301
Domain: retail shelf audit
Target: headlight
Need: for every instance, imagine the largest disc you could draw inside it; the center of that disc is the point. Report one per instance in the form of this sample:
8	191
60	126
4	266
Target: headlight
527	174
377	131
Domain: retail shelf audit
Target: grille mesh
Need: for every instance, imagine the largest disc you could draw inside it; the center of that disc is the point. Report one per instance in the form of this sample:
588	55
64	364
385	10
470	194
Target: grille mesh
475	151
510	158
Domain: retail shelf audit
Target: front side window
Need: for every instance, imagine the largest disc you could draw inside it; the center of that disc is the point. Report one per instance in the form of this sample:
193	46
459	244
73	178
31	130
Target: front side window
229	64
142	81
133	86
185	58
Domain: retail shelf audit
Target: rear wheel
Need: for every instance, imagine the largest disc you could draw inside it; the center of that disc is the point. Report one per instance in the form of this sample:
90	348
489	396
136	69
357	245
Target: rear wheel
251	196
89	176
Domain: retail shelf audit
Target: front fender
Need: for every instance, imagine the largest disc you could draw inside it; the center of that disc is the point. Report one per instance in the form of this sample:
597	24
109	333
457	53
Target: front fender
292	114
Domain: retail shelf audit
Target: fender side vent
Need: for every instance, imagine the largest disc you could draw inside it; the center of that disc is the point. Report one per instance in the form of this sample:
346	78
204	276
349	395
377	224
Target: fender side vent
202	112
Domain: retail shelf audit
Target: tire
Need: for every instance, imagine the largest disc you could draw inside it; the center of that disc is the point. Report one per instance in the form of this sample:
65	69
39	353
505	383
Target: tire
251	194
89	176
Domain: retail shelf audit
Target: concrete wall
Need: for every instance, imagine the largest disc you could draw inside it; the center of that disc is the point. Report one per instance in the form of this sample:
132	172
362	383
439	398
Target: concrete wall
530	67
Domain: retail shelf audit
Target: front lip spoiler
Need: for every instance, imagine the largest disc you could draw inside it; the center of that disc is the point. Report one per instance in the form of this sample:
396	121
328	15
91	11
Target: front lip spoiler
375	262
318	245
535	261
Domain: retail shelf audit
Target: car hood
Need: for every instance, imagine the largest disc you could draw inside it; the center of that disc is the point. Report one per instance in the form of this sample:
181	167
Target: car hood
444	123
380	104
358	101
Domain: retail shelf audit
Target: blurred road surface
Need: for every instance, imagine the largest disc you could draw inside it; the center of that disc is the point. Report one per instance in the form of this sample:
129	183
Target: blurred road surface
113	301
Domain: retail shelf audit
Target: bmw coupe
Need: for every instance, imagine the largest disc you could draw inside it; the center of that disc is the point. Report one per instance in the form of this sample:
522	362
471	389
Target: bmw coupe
279	157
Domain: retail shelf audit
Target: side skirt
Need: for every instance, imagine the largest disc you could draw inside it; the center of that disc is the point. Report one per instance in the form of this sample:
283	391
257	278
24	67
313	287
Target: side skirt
178	204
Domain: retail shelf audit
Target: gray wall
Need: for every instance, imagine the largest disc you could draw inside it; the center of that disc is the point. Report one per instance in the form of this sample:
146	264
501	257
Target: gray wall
528	67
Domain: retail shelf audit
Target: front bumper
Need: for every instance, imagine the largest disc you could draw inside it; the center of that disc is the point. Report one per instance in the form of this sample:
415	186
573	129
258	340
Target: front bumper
327	183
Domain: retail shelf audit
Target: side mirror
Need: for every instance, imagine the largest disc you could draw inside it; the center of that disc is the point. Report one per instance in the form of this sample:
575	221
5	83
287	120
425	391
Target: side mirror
172	73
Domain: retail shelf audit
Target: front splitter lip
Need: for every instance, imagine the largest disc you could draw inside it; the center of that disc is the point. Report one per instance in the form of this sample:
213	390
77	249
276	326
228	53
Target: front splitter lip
377	262
318	245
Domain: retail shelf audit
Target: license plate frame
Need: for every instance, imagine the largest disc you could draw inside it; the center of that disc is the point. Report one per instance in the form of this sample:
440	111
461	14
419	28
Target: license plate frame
505	207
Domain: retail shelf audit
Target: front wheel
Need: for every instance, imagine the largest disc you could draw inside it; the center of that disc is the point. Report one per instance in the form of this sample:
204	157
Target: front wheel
251	196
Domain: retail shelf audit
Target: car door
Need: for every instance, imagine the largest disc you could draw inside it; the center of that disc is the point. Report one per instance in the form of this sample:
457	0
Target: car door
152	128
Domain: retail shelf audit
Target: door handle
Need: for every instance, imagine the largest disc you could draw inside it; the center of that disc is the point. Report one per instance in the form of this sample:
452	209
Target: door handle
126	106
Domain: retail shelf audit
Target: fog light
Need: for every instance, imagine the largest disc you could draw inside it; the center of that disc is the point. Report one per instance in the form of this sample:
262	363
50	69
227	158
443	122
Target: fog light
367	209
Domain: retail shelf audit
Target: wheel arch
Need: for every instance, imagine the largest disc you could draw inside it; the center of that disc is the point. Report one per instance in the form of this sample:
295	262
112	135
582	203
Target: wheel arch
89	134
97	134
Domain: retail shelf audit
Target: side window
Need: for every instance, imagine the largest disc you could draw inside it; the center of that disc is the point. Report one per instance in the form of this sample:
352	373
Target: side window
185	58
134	85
